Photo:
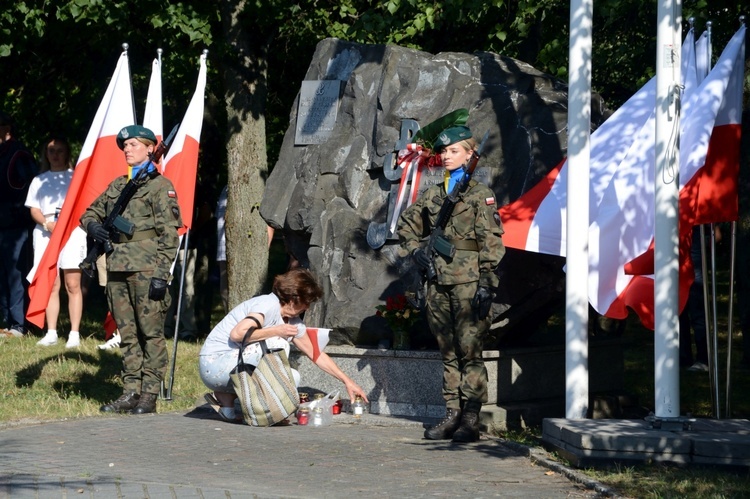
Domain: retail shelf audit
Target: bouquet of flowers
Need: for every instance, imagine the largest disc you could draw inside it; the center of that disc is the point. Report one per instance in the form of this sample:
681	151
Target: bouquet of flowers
400	316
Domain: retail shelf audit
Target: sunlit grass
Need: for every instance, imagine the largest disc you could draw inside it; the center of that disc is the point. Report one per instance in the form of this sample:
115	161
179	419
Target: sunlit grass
49	383
661	481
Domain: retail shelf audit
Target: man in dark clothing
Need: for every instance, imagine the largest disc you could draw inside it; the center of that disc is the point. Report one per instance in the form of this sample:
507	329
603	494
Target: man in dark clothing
17	169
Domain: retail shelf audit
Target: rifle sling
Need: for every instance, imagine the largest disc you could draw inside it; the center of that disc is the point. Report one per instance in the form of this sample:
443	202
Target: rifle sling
138	236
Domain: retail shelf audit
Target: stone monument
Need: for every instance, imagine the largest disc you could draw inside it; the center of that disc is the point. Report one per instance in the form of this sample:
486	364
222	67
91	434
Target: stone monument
331	191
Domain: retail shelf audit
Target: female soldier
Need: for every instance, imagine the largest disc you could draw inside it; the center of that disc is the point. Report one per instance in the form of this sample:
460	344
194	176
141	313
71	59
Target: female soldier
138	269
459	298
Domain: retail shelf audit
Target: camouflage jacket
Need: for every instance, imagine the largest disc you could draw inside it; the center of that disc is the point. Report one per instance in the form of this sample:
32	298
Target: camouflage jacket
156	215
475	218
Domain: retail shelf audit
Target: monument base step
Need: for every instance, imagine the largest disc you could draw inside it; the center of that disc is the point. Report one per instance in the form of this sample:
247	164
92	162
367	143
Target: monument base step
524	385
592	443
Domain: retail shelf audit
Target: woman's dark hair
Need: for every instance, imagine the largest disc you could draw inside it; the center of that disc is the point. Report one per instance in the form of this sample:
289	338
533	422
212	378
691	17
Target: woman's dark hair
297	286
44	161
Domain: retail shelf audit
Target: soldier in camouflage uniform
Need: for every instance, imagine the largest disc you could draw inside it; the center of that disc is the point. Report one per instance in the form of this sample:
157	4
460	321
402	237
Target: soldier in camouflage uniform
459	299
138	270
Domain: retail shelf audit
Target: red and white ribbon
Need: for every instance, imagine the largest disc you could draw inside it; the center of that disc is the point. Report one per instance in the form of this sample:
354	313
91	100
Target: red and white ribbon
412	160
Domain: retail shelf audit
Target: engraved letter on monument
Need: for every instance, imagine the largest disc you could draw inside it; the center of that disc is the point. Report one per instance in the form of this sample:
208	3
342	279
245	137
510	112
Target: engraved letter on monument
317	110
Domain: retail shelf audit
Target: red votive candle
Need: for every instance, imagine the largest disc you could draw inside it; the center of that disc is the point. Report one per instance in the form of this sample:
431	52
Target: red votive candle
303	417
337	406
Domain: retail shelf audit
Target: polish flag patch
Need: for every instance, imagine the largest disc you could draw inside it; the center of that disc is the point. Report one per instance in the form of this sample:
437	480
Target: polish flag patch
489	201
172	194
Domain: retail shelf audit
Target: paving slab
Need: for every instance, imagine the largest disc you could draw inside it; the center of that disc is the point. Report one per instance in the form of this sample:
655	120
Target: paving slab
194	454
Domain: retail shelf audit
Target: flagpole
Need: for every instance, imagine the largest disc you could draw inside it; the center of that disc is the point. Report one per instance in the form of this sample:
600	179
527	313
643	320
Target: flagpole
712	322
732	263
666	275
125	48
577	217
180	167
166	391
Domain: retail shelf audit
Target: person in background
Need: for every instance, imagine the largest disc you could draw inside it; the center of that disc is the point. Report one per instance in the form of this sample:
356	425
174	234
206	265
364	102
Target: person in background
459	298
274	317
195	314
138	269
112	341
17	169
743	289
44	200
694	314
221	248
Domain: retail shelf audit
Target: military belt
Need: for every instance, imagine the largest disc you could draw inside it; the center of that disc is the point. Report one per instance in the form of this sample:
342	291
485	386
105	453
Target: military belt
138	236
465	244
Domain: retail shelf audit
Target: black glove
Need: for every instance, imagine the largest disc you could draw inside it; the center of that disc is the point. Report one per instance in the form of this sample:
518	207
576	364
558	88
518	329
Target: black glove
157	289
481	303
421	258
97	231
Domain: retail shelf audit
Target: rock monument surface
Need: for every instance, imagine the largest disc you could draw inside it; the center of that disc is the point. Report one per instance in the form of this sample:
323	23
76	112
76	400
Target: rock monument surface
332	190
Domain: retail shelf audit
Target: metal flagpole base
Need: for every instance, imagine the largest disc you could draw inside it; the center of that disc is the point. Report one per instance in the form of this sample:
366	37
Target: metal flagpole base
164	392
681	423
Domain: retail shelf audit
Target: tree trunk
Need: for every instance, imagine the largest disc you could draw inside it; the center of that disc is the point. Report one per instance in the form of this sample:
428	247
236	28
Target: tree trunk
245	98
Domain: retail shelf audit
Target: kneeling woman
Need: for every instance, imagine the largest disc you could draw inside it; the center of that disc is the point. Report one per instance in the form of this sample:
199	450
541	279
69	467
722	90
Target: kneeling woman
273	317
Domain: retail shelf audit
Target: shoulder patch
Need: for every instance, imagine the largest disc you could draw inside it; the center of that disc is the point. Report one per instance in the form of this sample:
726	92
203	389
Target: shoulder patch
489	201
498	221
172	194
176	212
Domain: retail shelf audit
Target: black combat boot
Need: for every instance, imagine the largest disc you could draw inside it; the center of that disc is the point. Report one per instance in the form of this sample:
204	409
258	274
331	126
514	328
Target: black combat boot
146	404
445	428
468	430
126	402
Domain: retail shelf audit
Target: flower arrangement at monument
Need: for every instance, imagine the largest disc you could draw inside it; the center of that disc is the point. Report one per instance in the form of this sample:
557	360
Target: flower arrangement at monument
400	316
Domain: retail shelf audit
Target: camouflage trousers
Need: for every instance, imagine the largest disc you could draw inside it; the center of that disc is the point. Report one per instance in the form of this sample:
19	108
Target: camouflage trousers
460	339
141	324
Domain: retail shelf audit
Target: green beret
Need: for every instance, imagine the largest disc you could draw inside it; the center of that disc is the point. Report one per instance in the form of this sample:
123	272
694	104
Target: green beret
451	136
134	132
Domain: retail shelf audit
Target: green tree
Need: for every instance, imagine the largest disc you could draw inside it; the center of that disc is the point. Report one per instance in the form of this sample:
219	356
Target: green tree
56	58
246	70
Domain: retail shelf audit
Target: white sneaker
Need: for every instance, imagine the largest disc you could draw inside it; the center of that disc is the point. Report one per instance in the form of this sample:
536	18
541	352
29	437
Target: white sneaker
698	367
48	340
113	342
74	340
16	331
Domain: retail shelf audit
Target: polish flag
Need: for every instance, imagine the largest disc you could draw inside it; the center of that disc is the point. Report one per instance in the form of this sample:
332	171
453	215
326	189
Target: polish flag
152	116
319	338
710	175
621	206
181	163
709	170
100	162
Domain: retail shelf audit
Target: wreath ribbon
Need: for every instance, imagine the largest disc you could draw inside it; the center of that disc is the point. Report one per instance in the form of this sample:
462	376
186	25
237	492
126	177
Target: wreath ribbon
412	160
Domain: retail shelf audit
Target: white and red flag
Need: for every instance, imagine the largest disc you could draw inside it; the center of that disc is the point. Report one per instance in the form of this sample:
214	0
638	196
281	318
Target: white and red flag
99	163
152	116
181	163
621	209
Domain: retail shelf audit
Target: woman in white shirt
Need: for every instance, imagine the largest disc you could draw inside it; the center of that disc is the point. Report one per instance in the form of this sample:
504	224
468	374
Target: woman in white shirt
273	317
45	199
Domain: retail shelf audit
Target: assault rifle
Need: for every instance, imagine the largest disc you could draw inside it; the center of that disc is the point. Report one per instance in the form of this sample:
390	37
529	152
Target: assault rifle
115	223
437	244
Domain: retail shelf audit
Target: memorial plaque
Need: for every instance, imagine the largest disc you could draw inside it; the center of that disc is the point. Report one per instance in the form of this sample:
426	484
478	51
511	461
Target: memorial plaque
317	110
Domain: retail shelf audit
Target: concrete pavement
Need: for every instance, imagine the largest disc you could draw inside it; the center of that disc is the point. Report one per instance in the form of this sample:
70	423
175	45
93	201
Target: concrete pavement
194	454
